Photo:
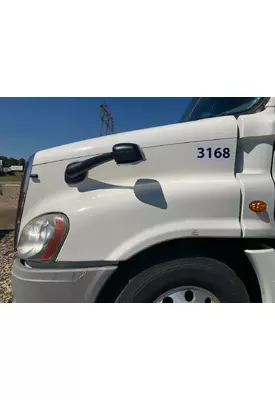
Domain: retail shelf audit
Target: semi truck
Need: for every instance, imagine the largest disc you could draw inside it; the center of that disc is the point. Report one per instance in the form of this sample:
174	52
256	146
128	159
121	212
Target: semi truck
16	168
182	213
10	170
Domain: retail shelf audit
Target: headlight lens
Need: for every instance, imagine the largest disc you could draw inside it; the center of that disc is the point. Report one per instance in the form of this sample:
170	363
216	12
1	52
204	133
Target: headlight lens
42	237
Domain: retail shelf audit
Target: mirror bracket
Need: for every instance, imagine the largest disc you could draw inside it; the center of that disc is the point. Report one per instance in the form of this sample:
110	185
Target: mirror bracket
122	153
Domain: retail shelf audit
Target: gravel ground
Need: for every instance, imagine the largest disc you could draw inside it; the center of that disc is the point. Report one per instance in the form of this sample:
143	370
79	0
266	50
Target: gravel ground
8	206
6	259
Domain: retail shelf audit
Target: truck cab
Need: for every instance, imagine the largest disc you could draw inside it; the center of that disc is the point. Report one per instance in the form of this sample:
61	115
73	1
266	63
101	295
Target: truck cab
176	213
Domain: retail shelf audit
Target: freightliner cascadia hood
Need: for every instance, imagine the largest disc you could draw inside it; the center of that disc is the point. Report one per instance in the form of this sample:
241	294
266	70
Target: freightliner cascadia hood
207	129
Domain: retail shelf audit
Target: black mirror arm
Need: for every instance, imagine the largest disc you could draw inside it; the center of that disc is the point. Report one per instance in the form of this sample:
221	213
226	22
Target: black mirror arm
76	172
123	153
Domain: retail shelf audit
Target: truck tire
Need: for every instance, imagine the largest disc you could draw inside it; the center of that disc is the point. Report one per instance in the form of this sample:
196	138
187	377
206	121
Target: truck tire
186	280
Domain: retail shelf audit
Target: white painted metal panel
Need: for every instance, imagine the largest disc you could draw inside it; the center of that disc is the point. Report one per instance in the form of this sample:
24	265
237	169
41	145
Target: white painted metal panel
120	210
254	165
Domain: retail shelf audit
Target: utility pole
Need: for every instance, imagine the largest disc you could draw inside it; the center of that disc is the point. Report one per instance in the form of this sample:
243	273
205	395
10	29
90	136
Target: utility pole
107	121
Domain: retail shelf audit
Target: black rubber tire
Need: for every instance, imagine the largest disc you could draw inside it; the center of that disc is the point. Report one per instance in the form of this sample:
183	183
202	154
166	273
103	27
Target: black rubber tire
205	273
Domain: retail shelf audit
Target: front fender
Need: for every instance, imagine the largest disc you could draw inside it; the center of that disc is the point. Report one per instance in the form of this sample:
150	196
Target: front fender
118	211
115	223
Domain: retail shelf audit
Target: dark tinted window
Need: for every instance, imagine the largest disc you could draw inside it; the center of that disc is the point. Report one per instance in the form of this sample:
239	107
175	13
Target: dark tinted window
206	107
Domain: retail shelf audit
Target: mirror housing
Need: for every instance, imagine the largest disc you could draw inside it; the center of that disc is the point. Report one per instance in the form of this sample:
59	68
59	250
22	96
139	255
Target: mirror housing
126	153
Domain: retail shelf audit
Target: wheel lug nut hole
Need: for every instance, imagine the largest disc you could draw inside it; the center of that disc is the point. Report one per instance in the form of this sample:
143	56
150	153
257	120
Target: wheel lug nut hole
207	300
189	295
168	300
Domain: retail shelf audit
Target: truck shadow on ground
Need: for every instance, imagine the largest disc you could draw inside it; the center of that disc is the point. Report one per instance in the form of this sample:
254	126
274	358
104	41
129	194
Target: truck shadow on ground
148	191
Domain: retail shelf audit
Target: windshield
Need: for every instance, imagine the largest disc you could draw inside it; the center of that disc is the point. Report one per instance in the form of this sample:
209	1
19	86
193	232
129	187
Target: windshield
207	107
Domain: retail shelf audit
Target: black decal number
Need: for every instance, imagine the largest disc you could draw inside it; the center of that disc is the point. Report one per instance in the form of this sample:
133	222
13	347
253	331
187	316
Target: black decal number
213	153
226	152
201	152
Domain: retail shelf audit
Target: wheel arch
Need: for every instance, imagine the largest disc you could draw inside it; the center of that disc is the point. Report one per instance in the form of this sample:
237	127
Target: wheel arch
229	251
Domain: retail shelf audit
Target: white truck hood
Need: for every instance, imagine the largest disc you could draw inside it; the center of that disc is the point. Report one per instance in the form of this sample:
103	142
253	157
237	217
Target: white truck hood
206	129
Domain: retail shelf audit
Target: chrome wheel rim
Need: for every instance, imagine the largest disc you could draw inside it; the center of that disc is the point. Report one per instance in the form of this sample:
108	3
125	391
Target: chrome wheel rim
187	294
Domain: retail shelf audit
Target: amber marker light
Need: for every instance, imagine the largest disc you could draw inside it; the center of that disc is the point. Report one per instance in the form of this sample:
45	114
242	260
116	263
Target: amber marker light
257	206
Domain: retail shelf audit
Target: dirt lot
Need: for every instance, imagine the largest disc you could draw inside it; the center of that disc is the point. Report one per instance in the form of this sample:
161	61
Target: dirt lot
8	206
11	178
6	259
7	213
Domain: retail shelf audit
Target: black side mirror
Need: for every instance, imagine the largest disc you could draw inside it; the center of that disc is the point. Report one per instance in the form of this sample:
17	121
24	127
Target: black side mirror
125	153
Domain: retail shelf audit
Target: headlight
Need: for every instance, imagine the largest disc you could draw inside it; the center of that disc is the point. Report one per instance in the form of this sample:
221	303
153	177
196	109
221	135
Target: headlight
42	237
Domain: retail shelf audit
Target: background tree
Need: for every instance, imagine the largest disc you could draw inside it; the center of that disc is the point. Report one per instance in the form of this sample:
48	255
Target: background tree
5	161
13	161
22	162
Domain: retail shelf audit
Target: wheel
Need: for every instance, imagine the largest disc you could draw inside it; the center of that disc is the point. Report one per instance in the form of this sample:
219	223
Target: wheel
186	280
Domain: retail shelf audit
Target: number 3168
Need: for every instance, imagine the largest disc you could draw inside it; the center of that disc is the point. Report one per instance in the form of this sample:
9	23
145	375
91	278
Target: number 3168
211	153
